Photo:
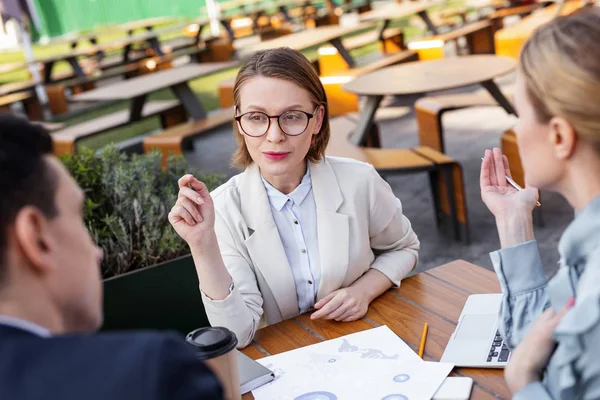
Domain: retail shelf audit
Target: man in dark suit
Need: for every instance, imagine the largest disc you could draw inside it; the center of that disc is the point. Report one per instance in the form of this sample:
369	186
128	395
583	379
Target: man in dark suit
51	295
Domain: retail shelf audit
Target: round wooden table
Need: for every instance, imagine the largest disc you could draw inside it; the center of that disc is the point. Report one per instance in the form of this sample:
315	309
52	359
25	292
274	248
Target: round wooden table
416	79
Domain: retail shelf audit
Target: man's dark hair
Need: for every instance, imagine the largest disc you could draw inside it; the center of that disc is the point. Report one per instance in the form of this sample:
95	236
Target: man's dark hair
25	177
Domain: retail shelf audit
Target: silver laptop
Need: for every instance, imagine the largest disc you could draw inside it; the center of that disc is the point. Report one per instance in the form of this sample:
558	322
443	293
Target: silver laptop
476	341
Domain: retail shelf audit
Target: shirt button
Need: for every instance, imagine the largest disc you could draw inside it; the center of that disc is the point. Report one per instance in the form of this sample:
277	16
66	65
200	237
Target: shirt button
304	250
296	222
310	282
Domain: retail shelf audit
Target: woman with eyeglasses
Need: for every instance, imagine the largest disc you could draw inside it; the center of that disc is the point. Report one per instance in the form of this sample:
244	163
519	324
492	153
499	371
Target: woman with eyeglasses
296	231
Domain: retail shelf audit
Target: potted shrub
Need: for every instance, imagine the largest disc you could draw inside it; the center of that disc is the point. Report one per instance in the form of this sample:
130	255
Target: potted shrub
149	277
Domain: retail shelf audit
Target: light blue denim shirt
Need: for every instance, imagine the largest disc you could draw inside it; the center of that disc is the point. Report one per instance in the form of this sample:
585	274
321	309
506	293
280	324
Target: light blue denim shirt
574	368
295	215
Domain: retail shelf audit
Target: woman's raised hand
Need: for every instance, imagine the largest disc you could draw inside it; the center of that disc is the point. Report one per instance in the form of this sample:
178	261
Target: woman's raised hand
498	195
193	215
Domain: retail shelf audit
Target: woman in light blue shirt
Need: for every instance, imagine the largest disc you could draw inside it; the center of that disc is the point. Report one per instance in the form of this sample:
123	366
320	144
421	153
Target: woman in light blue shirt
553	326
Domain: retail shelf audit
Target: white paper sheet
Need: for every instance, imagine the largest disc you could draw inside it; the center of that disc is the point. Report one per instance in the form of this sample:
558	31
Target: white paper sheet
373	364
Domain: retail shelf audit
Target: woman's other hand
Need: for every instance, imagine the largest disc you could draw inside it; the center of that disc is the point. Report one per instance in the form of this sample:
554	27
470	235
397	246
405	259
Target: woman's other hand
528	361
347	304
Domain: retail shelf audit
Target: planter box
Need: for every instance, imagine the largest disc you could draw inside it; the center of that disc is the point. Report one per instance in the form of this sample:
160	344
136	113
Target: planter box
165	296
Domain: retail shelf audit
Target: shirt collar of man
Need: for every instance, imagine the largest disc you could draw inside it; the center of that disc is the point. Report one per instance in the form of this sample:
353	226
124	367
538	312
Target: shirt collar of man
25	326
278	199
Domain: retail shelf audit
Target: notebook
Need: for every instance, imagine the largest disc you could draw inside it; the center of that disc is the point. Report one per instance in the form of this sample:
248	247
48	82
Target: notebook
252	374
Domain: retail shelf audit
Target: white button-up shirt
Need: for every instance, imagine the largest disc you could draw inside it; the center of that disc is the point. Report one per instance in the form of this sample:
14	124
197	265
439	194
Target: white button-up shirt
24	325
295	215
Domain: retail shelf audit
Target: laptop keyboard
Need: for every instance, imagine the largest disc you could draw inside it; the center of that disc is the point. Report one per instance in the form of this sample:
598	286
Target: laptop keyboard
499	352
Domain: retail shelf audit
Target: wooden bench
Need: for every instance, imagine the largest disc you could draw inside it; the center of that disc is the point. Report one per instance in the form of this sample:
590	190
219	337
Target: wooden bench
479	36
16	87
446	179
392	40
65	140
497	17
31	104
387	61
430	110
179	138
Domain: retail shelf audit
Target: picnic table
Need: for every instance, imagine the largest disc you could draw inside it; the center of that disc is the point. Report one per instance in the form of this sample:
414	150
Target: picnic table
436	296
415	79
310	38
151	38
136	90
396	11
510	40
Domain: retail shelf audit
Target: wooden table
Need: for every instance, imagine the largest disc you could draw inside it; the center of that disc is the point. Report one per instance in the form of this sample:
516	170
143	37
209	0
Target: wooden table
310	38
510	40
436	297
416	79
136	90
396	11
150	37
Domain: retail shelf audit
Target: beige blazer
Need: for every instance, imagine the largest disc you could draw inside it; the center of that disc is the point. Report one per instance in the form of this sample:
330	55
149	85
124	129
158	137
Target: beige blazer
360	226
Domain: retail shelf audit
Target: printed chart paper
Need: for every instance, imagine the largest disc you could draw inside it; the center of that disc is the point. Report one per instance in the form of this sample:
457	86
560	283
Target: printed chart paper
373	364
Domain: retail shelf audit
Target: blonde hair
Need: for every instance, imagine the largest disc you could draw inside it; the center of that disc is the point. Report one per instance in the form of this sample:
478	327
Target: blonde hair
561	67
290	65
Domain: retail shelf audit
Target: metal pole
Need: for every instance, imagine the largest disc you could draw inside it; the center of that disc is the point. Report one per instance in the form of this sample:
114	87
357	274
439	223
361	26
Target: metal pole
214	12
33	69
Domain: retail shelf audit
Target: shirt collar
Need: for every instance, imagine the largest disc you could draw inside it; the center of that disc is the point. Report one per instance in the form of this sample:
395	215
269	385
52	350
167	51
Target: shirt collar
25	326
278	199
581	236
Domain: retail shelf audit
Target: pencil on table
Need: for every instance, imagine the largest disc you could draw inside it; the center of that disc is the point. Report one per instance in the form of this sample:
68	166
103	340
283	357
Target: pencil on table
423	340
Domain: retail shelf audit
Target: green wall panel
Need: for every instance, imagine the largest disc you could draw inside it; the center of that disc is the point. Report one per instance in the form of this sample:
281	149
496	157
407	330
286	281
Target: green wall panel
63	16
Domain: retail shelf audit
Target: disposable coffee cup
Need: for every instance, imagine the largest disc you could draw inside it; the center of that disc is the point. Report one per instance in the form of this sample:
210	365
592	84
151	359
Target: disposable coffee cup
216	347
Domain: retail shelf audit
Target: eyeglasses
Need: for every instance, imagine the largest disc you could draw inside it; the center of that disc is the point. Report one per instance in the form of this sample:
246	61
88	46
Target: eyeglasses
292	122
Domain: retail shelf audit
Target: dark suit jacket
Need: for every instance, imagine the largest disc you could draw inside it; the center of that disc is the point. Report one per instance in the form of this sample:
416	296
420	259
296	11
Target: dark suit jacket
113	366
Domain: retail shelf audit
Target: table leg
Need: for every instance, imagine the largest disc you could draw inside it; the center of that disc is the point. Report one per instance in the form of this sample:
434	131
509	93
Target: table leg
430	25
381	29
286	14
99	53
76	67
126	51
48	71
198	37
497	94
363	127
155	44
337	43
227	25
190	102
136	107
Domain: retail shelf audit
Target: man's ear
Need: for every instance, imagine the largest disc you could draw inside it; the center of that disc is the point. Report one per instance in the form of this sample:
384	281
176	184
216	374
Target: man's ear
562	137
31	234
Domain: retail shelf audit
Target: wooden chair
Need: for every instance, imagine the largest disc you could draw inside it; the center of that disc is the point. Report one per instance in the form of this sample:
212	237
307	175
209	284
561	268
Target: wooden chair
509	147
446	179
65	140
176	139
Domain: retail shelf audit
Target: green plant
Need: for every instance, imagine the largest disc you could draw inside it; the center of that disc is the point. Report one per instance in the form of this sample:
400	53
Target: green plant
127	203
